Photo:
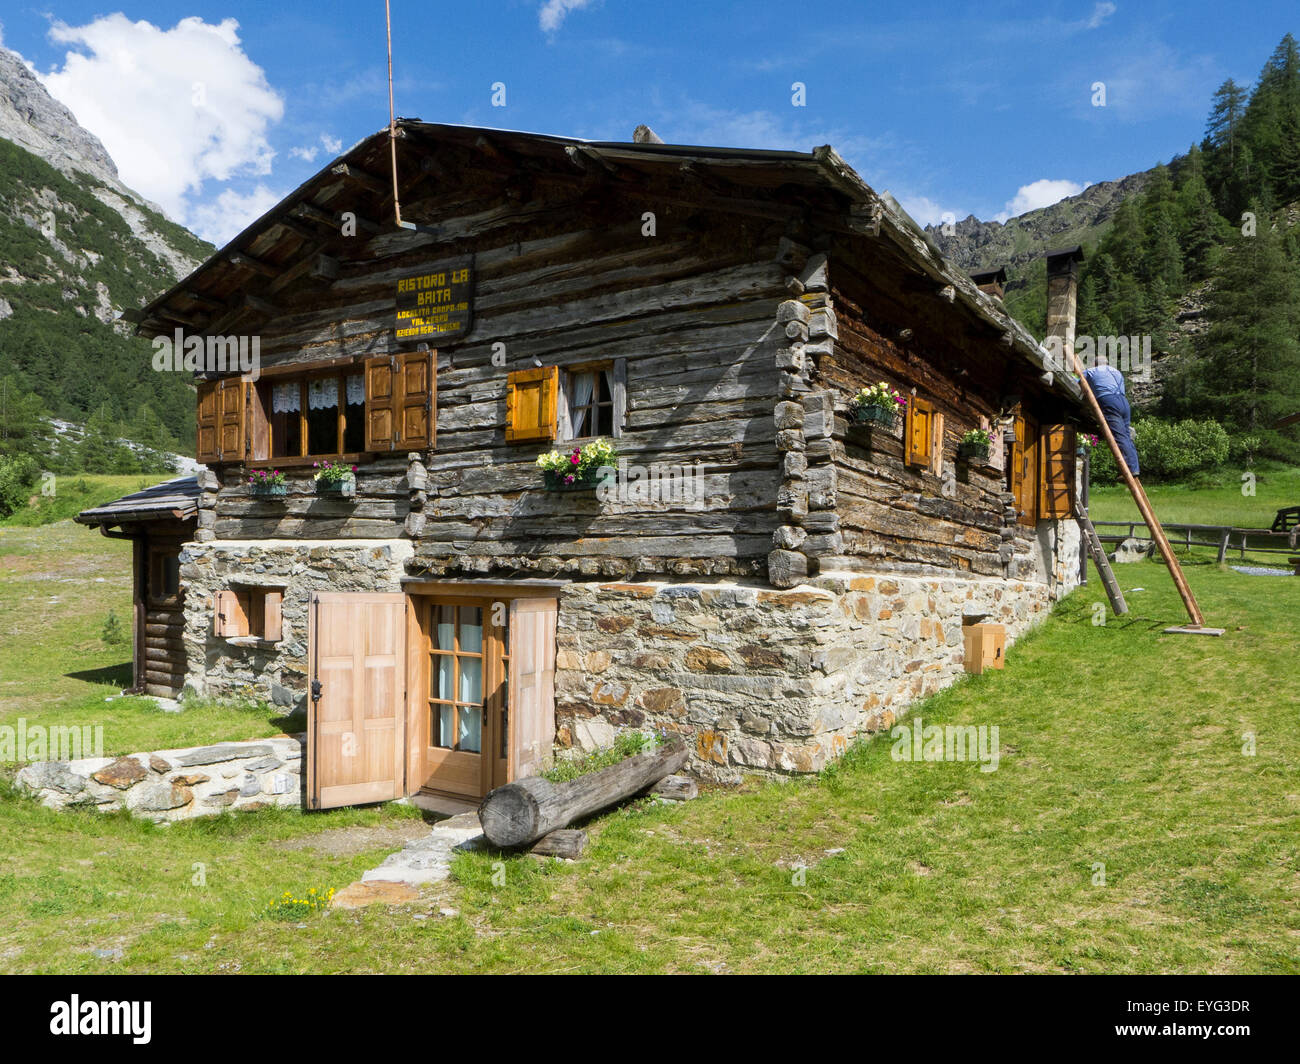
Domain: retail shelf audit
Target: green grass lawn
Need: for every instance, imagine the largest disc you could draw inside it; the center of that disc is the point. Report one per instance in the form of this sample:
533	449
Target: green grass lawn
1121	753
58	584
1218	502
74	492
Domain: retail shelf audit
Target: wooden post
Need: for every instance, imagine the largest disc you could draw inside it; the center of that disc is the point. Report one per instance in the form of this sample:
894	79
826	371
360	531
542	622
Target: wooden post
1140	497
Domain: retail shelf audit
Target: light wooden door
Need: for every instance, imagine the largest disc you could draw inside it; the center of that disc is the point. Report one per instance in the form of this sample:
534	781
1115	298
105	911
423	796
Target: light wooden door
462	723
356	721
488	712
531	686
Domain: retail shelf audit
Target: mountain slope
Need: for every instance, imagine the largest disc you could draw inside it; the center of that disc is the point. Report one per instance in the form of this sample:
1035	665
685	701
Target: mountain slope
76	247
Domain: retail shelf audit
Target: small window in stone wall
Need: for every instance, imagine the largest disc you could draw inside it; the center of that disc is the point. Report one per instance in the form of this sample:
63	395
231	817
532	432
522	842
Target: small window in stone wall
249	613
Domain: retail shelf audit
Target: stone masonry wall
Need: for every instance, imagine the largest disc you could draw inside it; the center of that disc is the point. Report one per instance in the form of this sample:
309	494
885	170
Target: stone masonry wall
176	784
770	681
251	667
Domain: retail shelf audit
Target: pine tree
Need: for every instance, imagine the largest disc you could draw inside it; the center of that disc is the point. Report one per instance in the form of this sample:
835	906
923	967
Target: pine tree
1252	369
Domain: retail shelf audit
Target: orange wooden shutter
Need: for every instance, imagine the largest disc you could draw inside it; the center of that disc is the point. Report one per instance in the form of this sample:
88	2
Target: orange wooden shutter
206	449
230	420
356	729
531	403
532	685
231	617
1024	470
272	623
381	403
417	400
1056	482
936	444
918	432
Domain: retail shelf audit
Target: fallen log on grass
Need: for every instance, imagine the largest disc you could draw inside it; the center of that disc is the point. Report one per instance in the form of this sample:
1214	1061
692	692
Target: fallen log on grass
522	812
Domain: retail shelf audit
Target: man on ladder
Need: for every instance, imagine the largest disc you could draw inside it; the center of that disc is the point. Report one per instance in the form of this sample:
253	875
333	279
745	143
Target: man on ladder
1107	384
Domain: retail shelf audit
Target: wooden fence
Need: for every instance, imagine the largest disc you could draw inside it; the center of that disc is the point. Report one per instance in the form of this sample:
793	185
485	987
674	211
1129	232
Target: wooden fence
1220	536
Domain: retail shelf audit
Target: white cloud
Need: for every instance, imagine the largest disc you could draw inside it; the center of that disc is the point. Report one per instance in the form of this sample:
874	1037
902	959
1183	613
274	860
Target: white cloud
220	219
307	155
308	152
1100	13
175	108
333	145
926	211
553	12
1041	193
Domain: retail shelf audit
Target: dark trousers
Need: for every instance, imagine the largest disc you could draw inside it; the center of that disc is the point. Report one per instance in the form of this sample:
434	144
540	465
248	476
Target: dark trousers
1118	417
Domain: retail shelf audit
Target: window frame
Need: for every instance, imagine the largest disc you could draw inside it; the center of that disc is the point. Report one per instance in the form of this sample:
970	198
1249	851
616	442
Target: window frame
263	418
617	404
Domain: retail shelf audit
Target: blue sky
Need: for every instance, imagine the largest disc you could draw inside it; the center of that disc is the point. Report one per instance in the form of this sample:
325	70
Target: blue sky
216	110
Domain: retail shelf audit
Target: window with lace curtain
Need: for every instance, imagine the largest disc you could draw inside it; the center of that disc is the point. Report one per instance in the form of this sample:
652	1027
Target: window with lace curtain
314	417
595	400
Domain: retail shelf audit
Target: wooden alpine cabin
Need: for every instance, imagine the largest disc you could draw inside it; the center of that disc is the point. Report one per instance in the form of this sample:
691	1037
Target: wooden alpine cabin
756	572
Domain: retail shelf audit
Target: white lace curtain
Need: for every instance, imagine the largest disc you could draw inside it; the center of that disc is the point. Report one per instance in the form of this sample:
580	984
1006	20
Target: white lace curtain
322	394
584	384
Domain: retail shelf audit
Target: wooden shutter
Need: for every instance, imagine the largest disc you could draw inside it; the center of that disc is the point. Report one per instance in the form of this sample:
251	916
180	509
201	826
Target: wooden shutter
400	402
272	616
918	432
230	414
417	402
936	444
230	618
206	432
532	684
1024	470
531	403
381	403
356	728
1056	481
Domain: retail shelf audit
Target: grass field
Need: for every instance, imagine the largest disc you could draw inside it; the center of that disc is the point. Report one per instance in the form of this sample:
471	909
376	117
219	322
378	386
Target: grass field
1219	502
1127	829
75	492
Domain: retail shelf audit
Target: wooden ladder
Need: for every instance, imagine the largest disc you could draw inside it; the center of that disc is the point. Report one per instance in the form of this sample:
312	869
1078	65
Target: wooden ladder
1197	625
1099	559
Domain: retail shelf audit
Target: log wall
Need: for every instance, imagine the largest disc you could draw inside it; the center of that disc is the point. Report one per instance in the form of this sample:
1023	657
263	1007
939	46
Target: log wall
692	310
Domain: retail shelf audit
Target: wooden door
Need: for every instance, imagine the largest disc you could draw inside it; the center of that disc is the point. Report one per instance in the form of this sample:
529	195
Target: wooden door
488	712
356	724
463	696
532	684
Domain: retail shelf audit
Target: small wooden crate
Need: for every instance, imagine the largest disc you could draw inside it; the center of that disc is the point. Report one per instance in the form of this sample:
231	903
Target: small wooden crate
986	646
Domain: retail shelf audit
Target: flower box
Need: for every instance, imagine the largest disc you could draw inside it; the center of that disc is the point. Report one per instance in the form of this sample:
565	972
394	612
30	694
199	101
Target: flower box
268	491
975	453
873	414
559	482
337	488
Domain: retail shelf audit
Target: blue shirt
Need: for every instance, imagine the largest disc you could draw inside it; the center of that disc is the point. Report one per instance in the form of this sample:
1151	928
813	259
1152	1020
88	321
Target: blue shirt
1105	381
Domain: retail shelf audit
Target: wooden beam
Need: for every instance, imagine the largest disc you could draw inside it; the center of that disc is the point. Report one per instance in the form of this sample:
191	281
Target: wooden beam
360	177
248	262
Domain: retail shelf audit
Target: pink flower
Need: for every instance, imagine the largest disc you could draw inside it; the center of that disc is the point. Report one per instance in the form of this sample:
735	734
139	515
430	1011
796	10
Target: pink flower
354	469
575	458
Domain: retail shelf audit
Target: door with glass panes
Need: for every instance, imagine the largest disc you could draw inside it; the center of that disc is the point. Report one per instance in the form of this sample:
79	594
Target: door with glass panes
467	722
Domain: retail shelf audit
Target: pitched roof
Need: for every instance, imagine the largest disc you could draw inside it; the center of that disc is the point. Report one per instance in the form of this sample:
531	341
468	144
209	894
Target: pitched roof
171	500
740	180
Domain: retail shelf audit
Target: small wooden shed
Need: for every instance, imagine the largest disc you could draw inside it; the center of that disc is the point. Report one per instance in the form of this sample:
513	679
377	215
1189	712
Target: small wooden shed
157	520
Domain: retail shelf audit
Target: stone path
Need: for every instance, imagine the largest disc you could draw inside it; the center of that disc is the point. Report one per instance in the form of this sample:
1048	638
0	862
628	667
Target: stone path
428	859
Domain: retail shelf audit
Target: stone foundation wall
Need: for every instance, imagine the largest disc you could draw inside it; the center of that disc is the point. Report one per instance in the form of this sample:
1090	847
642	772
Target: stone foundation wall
176	784
273	671
765	680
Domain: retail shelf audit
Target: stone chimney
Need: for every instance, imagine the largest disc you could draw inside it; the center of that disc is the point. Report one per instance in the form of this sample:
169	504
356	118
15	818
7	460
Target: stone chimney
1062	299
643	134
991	282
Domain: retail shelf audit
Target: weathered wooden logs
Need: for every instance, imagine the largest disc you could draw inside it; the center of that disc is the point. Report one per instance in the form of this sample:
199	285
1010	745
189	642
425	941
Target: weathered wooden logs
676	788
569	843
521	812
